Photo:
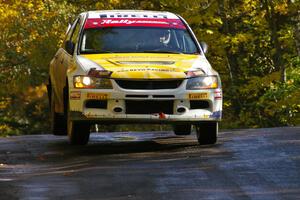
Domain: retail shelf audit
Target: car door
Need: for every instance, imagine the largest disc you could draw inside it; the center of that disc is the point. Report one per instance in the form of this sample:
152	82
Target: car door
68	60
61	64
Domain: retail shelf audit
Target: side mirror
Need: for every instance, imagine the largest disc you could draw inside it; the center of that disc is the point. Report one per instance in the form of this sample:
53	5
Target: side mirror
70	47
204	47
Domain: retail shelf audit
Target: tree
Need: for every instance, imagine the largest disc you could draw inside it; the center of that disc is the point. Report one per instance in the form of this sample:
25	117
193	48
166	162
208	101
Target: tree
254	44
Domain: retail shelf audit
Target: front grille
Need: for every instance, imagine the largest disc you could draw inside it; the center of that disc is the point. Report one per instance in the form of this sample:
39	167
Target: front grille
163	96
149	107
96	104
149	84
136	96
199	104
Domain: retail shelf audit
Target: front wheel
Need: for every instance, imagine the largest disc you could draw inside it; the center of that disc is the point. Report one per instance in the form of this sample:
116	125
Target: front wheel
78	132
58	122
207	132
184	129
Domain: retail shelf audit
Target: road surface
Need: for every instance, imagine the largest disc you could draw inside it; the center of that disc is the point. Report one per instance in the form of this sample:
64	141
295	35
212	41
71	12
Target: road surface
245	164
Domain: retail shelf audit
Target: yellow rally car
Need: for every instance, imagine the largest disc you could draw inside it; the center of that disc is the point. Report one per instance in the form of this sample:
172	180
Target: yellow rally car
133	67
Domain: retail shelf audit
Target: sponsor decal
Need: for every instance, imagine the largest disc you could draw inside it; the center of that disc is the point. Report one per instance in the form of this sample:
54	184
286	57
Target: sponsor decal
97	96
216	115
75	95
206	116
132	22
196	96
147	69
218	94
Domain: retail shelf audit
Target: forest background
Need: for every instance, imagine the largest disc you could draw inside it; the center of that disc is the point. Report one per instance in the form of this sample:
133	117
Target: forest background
253	44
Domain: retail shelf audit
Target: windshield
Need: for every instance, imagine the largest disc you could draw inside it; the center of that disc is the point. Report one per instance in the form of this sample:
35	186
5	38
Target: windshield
137	40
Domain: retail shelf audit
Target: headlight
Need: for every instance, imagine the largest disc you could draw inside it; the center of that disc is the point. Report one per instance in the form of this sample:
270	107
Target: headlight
202	82
86	81
91	82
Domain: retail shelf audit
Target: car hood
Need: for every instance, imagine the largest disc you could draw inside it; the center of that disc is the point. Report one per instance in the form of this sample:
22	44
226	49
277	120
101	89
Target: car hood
145	66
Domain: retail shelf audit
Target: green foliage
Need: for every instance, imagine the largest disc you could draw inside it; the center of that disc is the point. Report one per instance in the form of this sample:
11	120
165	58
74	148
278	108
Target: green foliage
251	43
31	31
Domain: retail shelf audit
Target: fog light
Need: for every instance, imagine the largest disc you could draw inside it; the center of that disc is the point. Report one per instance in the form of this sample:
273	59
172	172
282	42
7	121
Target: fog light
181	109
118	109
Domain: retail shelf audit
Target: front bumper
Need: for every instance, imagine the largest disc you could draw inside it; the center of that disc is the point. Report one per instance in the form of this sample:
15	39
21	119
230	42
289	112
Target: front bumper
120	105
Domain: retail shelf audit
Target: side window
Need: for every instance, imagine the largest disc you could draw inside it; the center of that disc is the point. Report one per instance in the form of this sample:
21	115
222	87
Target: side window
71	30
72	36
75	32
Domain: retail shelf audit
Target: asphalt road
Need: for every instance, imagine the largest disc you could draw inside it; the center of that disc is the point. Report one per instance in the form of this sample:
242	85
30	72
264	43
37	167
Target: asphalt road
245	164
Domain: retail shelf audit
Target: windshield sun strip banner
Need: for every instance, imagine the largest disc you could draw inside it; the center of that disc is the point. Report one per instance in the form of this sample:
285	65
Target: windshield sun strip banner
133	22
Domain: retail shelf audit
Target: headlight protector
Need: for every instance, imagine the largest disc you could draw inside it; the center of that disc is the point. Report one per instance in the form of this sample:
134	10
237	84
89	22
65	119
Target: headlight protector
87	82
202	82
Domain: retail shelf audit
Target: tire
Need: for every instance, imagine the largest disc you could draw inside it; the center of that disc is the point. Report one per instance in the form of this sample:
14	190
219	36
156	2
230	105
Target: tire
79	133
182	129
207	132
58	122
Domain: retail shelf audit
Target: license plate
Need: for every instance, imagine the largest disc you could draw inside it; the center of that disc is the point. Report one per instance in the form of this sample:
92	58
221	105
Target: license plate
196	96
97	96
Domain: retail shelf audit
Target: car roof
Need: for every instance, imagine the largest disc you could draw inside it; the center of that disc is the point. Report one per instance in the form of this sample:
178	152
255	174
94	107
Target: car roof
130	14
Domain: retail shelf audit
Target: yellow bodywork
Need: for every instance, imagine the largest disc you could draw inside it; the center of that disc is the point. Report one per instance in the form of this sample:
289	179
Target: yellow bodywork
145	65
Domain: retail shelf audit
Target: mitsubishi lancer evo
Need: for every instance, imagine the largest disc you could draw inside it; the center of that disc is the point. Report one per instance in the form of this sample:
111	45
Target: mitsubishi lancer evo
126	66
